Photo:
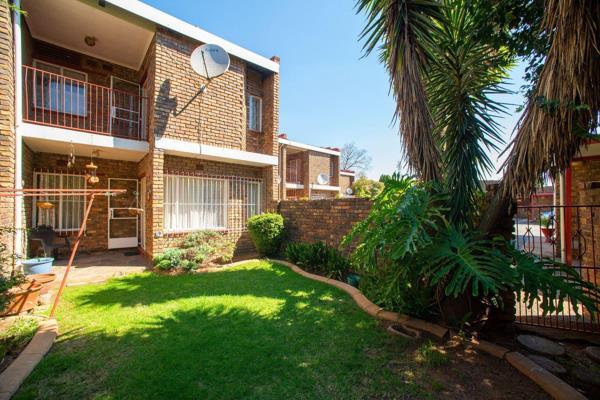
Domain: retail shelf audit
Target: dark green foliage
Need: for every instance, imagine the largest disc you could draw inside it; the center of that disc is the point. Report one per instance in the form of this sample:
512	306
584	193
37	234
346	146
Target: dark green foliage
463	80
411	258
9	278
169	260
266	231
319	258
17	335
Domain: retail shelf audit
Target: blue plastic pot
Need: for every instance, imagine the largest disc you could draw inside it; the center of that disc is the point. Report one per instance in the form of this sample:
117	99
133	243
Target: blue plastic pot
353	279
41	265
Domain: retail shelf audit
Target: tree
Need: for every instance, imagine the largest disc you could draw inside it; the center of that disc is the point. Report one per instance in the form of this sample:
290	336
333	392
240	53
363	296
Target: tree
354	159
444	59
367	188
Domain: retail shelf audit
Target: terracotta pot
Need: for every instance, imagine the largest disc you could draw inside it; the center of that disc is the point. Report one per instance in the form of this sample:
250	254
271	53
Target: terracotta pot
548	233
42	279
24	298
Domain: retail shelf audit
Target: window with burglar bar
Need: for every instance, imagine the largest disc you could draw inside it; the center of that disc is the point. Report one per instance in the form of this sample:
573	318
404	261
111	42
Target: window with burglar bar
205	202
66	212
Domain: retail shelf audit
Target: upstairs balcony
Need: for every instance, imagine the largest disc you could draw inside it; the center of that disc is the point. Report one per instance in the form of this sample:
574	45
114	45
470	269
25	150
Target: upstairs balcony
62	98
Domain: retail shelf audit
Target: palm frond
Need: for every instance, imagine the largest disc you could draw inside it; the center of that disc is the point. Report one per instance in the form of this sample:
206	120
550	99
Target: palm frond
462	80
552	284
563	112
402	30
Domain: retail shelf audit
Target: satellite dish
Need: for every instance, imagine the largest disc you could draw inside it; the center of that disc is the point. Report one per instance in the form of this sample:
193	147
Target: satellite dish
349	191
209	60
323	179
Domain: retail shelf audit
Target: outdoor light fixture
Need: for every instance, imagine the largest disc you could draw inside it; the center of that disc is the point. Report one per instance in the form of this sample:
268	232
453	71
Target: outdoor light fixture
90	41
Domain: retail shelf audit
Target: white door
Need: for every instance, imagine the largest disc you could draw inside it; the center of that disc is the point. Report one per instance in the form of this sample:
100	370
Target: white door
142	216
123	219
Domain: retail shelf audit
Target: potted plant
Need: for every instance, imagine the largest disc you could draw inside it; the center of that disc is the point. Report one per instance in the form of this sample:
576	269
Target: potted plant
16	295
546	220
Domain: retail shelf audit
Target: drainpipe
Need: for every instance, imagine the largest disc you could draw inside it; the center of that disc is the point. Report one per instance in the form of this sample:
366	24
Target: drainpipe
563	247
18	60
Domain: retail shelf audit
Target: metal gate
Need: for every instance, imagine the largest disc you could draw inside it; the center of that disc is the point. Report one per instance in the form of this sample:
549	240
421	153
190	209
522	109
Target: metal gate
539	231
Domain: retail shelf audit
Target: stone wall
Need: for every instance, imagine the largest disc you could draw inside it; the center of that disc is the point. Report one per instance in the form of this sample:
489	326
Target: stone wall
322	220
7	121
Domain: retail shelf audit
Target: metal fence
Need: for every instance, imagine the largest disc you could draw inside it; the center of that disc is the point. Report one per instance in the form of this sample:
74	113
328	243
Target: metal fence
539	231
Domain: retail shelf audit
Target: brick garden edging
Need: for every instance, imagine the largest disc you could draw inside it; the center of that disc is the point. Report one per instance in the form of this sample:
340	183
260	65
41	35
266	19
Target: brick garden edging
13	376
554	386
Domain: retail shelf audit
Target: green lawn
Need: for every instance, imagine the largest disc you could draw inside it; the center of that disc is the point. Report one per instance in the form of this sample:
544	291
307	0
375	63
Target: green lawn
256	331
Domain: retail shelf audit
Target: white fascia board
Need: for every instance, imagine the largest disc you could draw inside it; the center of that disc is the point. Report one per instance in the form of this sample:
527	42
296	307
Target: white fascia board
290	185
347	173
197	150
304	146
325	187
83	138
168	21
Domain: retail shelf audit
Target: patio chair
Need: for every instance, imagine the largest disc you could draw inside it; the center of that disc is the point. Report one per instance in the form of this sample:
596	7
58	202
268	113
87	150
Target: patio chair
46	236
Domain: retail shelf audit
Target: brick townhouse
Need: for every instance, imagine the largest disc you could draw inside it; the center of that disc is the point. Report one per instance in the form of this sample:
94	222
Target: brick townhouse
108	84
311	172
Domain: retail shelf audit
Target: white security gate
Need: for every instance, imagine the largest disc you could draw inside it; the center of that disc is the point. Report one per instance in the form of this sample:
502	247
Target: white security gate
123	218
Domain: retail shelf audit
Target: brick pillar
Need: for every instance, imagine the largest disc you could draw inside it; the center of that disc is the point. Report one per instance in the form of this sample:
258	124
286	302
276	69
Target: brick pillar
270	133
7	122
335	174
283	172
306	173
156	188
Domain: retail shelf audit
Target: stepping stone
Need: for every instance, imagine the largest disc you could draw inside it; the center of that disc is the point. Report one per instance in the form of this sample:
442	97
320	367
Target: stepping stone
541	345
593	352
548	364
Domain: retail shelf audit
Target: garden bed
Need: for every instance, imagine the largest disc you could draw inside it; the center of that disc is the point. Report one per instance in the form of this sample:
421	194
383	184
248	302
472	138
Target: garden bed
255	330
15	334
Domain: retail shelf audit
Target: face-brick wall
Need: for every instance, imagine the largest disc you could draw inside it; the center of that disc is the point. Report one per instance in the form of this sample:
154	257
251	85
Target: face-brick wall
585	192
192	166
7	121
96	236
322	220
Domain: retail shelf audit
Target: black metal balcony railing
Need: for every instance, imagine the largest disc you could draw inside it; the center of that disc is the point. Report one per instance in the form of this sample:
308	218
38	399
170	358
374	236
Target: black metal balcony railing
59	101
538	232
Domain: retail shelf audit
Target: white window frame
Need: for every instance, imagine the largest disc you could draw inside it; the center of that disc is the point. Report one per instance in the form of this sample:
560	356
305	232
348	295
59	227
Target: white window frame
59	199
49	107
174	228
252	98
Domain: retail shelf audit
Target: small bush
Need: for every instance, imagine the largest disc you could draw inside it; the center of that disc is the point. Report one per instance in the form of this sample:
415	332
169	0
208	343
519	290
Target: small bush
319	258
431	355
195	250
169	260
266	231
17	335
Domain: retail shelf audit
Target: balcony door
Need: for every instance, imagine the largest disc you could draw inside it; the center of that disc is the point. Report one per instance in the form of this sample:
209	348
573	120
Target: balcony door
125	108
123	218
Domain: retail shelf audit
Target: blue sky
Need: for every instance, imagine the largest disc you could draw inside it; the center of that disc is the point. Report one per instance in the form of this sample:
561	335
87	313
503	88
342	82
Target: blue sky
330	95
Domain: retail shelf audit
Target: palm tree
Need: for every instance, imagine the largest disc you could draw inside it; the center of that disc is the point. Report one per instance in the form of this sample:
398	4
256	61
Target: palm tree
402	30
439	78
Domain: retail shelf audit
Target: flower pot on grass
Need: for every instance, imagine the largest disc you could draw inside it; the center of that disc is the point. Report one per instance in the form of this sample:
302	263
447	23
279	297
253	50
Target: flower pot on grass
41	265
24	297
42	279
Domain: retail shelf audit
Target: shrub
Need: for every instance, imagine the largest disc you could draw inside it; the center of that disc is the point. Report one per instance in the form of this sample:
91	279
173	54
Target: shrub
319	258
266	231
9	278
169	260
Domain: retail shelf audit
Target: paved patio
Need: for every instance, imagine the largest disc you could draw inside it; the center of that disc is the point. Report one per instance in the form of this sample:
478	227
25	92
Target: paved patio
99	267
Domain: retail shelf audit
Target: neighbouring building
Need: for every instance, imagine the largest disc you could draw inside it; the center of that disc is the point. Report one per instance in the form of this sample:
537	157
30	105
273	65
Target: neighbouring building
311	172
109	84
